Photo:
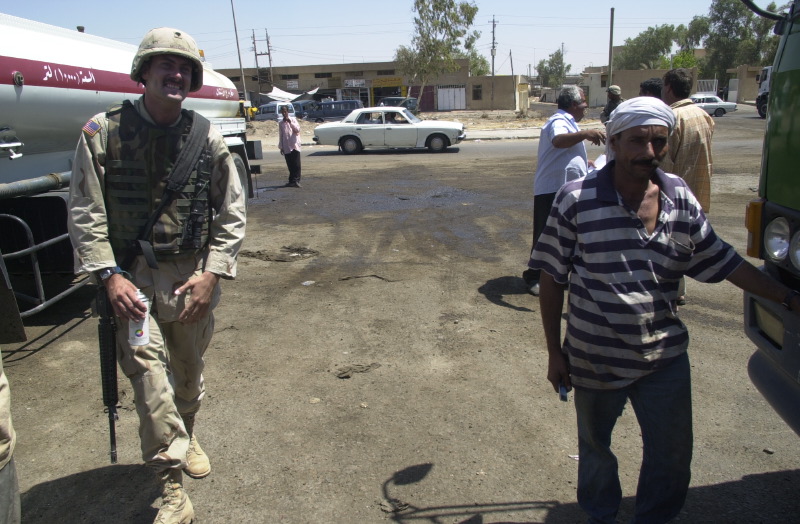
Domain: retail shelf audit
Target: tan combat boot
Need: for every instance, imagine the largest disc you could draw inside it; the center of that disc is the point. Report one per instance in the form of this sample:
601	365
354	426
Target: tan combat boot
176	508
197	463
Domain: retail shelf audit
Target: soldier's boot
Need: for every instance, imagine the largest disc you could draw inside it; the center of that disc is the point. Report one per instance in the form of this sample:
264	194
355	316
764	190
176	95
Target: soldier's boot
197	463
176	508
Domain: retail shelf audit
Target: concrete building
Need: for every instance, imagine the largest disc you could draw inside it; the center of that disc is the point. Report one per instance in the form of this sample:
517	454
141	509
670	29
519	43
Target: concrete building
371	81
744	86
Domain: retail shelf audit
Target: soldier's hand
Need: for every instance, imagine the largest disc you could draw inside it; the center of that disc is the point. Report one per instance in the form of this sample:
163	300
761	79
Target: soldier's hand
122	295
200	289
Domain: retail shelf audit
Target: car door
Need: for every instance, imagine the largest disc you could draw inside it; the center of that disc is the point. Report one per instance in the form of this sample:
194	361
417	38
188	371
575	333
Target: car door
399	131
370	128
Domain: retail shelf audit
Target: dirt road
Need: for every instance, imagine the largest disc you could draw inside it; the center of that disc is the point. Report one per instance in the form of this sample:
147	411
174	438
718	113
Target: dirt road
378	359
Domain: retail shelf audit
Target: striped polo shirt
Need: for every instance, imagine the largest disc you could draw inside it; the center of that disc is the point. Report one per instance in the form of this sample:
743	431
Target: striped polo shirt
623	282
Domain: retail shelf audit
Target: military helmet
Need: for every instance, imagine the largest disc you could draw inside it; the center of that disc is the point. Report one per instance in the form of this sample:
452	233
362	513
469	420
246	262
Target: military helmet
168	41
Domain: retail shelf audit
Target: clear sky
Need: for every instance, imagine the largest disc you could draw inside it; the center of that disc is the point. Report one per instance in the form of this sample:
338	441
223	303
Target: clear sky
351	31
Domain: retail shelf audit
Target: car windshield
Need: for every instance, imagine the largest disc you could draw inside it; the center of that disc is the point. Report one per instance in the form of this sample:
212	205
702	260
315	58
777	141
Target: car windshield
410	116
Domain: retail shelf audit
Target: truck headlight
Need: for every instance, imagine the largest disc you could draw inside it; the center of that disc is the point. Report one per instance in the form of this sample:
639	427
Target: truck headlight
794	250
776	239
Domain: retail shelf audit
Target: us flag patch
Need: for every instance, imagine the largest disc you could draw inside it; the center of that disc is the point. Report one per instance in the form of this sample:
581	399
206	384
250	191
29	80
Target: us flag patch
91	128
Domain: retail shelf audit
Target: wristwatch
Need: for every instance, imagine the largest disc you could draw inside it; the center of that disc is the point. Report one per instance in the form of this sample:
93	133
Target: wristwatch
787	302
105	273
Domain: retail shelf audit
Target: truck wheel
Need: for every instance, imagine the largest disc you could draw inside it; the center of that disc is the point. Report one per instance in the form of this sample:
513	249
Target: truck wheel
762	109
350	145
437	143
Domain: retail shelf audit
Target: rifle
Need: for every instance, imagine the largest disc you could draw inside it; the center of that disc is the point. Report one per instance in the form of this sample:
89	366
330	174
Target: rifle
107	336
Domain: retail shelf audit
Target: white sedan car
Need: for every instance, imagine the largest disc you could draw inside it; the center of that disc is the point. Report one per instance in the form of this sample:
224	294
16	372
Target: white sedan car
388	127
712	104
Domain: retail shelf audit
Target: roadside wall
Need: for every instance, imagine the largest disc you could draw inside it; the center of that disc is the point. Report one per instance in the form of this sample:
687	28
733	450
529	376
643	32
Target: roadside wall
748	87
508	92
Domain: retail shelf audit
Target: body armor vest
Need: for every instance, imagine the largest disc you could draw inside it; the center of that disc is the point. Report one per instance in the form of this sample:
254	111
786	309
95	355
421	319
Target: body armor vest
139	159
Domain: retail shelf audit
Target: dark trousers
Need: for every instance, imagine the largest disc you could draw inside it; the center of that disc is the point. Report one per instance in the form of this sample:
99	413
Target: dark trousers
293	163
541	210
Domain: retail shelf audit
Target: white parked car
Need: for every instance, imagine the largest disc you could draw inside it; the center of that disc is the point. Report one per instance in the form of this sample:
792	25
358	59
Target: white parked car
712	104
388	127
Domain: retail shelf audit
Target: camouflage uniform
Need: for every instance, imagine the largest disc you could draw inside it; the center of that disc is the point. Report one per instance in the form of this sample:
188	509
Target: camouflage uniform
175	348
9	487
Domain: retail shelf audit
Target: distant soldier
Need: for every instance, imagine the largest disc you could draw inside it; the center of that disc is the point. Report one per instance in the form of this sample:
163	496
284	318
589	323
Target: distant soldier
124	161
614	99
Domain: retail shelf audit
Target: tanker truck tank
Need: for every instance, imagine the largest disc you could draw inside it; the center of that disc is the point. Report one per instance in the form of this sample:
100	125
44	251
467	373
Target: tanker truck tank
52	81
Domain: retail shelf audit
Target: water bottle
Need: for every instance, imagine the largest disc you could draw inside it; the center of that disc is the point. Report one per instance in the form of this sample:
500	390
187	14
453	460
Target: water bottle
139	332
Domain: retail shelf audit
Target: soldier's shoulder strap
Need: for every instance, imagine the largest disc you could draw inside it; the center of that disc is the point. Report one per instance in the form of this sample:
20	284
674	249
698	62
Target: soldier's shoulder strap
189	153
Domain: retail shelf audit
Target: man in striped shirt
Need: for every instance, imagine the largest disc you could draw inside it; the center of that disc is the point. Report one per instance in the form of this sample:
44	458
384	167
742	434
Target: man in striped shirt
621	239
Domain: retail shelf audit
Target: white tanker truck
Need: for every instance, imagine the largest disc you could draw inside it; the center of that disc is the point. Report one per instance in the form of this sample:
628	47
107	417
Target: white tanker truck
52	80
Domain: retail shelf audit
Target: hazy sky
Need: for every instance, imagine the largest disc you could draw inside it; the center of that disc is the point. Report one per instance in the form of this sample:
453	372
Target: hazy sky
316	32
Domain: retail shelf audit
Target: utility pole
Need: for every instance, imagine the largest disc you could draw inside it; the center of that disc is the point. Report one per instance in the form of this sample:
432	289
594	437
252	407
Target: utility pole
258	69
494	52
239	51
269	54
610	50
513	80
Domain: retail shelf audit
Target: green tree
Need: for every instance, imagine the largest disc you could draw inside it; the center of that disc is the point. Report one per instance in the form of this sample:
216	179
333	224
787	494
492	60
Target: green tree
648	48
737	36
553	71
441	31
685	59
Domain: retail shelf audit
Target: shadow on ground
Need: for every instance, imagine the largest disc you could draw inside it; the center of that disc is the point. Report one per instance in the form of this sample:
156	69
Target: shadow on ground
766	497
496	289
123	493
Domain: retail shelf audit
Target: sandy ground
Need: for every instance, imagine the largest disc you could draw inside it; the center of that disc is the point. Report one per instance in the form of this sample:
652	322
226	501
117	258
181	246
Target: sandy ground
379	360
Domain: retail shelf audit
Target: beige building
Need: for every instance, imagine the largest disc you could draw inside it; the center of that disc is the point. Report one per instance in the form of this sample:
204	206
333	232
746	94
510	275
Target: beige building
596	82
371	81
744	87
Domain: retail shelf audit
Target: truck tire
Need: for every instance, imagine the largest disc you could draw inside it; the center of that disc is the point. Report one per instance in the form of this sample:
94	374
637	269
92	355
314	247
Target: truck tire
762	109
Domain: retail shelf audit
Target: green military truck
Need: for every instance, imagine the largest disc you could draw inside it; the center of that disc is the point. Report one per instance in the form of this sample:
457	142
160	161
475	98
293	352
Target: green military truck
773	225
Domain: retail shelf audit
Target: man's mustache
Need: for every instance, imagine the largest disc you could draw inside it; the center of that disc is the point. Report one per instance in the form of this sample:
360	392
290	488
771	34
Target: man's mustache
654	162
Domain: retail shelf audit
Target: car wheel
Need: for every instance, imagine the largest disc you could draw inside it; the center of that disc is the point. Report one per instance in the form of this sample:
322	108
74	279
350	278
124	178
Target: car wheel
719	112
437	143
319	120
350	145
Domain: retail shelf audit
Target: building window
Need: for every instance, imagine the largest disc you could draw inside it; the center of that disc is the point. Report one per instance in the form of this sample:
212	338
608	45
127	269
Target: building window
234	78
477	92
290	77
354	74
385	72
323	75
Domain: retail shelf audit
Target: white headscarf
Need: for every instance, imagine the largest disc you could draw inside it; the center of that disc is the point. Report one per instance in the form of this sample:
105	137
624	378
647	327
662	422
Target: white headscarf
639	111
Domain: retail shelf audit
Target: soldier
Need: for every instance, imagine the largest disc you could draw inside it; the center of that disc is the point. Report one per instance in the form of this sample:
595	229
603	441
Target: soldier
614	99
123	161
